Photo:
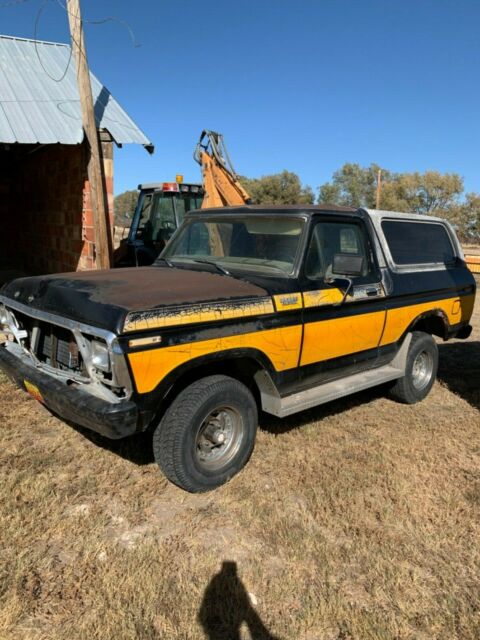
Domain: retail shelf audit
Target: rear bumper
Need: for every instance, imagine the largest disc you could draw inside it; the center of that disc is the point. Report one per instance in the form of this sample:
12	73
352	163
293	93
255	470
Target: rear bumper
71	402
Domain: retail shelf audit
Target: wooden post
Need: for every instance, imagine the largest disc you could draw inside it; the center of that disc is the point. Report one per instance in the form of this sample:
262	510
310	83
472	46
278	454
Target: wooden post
379	189
95	177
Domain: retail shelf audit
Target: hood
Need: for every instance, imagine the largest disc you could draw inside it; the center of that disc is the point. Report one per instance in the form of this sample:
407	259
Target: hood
104	298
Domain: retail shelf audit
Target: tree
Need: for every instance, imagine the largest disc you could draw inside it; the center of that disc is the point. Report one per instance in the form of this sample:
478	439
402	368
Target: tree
465	217
124	206
278	188
352	186
427	193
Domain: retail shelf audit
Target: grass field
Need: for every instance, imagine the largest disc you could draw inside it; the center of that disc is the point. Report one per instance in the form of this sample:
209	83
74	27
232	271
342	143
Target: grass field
360	519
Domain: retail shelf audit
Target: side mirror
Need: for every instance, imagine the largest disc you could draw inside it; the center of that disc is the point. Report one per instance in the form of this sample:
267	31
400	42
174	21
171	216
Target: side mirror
347	264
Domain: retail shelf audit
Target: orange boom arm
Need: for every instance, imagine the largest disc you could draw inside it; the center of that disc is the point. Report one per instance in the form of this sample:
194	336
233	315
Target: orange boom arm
220	182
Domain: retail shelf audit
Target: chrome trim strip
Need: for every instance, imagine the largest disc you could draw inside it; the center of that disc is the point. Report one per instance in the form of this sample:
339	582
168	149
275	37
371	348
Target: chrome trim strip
94	387
121	377
60	321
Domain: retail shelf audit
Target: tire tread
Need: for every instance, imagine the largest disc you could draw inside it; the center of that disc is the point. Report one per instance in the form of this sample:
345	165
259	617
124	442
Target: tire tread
402	390
167	437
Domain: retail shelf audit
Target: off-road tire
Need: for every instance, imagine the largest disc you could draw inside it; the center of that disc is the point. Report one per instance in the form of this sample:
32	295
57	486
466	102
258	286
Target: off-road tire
175	440
415	386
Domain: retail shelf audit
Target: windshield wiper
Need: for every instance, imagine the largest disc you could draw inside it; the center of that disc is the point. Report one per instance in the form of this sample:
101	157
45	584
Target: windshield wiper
214	264
166	261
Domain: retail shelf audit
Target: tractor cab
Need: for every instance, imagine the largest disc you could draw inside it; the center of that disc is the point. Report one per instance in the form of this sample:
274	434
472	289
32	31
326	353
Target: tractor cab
160	210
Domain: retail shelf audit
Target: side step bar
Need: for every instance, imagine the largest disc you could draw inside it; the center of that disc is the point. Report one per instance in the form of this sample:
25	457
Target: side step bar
273	403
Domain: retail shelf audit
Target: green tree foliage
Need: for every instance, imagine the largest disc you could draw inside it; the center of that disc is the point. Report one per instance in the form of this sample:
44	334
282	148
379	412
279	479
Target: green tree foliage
465	216
124	206
427	193
278	188
431	192
352	186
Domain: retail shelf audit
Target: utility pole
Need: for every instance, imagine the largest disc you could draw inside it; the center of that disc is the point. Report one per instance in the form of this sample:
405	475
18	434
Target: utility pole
379	189
95	174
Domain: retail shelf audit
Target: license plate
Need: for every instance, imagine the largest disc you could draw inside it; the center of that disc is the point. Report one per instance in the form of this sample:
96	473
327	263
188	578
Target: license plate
33	391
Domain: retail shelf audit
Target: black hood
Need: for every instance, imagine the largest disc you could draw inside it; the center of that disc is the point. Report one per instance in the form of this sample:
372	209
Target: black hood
103	298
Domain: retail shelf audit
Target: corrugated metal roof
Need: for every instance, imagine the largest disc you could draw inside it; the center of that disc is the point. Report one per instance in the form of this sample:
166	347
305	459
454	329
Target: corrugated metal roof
39	100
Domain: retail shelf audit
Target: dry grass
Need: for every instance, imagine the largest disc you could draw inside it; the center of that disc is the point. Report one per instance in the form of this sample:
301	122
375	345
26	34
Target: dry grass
356	520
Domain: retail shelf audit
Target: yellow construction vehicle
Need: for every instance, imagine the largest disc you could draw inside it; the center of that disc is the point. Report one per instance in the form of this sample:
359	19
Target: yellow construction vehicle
161	206
221	185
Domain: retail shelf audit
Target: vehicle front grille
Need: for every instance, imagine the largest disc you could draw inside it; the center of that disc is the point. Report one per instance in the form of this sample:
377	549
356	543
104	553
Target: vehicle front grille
58	348
52	345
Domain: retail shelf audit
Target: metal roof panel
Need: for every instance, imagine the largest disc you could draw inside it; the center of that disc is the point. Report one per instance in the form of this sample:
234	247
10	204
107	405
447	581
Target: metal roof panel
39	97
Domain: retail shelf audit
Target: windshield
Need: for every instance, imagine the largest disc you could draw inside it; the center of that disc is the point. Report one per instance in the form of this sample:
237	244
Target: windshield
268	245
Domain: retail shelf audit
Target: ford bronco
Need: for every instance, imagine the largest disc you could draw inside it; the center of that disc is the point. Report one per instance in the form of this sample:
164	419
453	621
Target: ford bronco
249	308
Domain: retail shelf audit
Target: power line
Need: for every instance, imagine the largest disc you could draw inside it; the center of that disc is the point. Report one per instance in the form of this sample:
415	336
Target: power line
64	7
37	20
124	23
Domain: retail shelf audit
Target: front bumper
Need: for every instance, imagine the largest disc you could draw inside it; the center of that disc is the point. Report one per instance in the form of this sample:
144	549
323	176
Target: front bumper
71	402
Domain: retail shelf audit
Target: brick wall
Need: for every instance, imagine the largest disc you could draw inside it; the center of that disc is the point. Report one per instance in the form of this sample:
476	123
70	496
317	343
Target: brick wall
47	212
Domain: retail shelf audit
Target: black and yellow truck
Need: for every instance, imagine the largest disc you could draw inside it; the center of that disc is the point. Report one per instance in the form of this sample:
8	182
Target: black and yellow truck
247	308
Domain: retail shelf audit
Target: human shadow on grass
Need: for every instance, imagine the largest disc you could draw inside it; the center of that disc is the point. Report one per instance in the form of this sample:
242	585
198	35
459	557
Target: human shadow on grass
459	369
226	606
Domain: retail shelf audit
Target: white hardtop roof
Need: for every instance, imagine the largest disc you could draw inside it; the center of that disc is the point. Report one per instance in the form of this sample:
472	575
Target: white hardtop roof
379	213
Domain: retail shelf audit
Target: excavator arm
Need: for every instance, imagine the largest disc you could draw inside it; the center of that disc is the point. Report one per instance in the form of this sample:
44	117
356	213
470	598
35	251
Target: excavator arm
220	182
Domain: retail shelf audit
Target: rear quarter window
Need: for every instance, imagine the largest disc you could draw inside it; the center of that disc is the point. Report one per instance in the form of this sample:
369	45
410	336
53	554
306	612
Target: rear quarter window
418	242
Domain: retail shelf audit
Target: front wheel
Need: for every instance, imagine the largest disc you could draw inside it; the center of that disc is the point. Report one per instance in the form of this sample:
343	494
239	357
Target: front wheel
207	434
420	370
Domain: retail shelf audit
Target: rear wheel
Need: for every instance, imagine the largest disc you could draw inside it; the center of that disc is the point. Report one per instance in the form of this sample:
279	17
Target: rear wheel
420	370
207	434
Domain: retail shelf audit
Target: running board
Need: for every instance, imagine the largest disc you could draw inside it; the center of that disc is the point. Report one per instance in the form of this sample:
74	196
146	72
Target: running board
281	407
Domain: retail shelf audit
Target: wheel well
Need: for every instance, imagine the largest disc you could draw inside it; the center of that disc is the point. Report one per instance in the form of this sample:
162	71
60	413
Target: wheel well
242	369
435	324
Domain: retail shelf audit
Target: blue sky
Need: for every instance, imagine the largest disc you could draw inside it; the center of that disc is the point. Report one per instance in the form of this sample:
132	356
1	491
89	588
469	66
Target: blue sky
304	86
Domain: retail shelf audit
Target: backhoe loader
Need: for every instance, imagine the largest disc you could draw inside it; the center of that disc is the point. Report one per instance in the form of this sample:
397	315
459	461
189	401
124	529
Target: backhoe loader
162	206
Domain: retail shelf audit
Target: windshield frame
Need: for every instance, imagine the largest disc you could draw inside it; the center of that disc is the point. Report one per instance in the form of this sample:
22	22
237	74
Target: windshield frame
230	217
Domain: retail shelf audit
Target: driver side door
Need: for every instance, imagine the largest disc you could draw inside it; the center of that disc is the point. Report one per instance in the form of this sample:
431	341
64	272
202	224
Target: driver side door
341	335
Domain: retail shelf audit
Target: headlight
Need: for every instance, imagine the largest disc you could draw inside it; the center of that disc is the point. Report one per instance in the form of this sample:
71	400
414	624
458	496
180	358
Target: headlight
3	316
100	356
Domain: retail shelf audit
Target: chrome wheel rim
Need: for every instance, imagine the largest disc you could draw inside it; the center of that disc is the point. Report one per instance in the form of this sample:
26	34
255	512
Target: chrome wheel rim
219	438
422	370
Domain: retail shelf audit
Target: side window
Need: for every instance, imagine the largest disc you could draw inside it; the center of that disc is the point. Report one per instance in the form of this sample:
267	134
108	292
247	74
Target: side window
418	242
331	238
144	215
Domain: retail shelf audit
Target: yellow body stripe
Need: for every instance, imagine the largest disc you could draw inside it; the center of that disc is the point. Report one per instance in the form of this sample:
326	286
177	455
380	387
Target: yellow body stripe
196	313
321	297
456	309
323	340
281	345
341	336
